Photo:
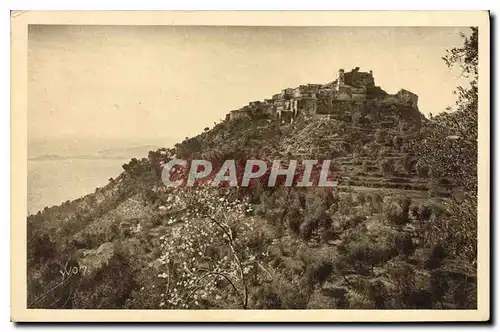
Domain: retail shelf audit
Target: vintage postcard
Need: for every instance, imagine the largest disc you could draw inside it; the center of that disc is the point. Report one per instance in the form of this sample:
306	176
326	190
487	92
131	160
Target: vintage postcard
250	166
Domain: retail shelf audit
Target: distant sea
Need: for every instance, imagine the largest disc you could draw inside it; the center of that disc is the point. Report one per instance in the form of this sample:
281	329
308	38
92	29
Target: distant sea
61	170
51	182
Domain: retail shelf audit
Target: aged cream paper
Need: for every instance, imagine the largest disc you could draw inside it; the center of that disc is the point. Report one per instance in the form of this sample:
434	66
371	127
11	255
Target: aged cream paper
20	126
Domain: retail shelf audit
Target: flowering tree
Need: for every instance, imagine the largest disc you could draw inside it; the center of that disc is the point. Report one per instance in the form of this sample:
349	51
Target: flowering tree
208	259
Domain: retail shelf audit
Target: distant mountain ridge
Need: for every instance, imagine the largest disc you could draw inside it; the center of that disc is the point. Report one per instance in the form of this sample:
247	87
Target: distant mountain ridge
128	152
112	153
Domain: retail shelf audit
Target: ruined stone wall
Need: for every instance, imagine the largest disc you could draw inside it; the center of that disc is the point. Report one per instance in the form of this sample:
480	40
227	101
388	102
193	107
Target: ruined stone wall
272	111
358	96
358	93
324	102
280	105
358	79
286	117
331	85
309	90
344	107
390	99
363	79
358	90
344	93
324	108
309	106
287	93
404	97
407	97
239	114
321	116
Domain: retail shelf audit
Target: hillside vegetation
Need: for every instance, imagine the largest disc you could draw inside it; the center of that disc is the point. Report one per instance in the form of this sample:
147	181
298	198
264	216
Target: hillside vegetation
399	232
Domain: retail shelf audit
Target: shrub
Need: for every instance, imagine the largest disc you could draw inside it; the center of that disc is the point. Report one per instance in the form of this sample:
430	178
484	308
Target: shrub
156	220
266	297
294	220
293	293
360	253
424	212
404	280
320	301
414	211
435	259
380	136
403	244
346	202
388	140
361	198
376	202
328	234
377	293
395	214
422	169
306	230
319	271
151	196
405	205
356	160
355	220
383	152
113	289
356	117
386	167
444	182
407	163
316	217
397	141
366	166
319	266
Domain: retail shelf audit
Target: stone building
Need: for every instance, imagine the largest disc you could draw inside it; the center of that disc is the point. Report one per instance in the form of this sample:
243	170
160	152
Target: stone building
239	114
348	92
408	97
354	85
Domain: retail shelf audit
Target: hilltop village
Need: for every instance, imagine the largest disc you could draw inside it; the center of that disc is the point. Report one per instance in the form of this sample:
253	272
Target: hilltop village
350	90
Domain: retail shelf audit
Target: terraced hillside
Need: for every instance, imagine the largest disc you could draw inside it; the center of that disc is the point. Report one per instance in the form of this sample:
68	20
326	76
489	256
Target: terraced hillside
376	241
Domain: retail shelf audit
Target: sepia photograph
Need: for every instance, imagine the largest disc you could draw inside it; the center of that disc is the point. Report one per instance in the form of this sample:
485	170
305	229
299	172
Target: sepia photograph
201	166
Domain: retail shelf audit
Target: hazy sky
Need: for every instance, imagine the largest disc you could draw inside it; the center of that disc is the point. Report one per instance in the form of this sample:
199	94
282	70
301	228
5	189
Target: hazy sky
163	81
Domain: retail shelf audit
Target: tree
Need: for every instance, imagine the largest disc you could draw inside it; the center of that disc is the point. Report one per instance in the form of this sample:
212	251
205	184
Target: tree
380	135
397	141
408	163
208	260
450	145
386	167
